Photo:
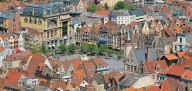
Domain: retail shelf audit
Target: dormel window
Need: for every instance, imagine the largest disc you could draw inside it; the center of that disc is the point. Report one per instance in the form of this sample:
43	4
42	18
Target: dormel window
25	20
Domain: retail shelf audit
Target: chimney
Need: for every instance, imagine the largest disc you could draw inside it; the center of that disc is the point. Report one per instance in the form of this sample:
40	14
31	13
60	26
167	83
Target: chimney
133	41
188	86
186	68
148	54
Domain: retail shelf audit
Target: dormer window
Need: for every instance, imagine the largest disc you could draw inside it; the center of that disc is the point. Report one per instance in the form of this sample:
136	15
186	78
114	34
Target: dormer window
25	20
30	20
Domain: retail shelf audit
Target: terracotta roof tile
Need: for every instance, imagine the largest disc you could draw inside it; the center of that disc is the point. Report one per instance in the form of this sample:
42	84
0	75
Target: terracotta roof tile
187	75
67	63
169	84
153	88
41	65
133	24
150	66
102	12
61	84
147	10
129	89
165	10
17	56
2	49
180	54
79	74
33	64
177	29
164	71
13	76
170	56
4	81
99	62
169	32
176	70
188	63
77	82
89	68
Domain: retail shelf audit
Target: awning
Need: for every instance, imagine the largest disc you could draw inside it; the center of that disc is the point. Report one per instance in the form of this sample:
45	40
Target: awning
103	41
92	43
17	50
53	45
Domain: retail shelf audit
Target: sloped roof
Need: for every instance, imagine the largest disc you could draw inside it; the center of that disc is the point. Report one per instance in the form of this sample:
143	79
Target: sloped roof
141	55
57	83
103	12
170	84
99	62
150	66
171	56
187	75
137	12
67	63
13	76
176	70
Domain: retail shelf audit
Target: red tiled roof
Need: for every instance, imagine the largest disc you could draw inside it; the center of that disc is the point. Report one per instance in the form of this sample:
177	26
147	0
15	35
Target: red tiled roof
102	12
66	64
17	56
176	70
187	75
13	76
169	32
4	81
165	10
147	10
89	68
61	84
150	66
170	56
169	84
2	49
99	62
33	64
188	63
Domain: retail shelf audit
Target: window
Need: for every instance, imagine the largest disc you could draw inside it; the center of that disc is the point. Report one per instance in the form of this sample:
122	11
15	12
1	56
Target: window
35	21
180	40
39	22
25	20
13	19
175	47
30	20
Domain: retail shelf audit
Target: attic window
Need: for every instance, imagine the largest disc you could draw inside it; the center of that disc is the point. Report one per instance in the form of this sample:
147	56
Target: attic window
30	20
39	22
25	20
35	21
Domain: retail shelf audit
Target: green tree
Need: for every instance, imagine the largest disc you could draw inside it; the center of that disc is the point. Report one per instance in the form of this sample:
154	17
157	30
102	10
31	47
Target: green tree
92	8
62	47
35	49
84	46
44	50
102	48
110	52
106	6
119	5
120	54
129	7
71	48
91	48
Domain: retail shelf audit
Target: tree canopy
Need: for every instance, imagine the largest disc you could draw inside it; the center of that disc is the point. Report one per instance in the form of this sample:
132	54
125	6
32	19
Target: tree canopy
92	8
102	48
120	54
71	47
122	5
35	49
106	6
62	47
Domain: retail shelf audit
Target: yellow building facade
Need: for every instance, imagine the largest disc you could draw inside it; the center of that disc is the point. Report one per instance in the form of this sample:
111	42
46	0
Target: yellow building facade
52	19
111	3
